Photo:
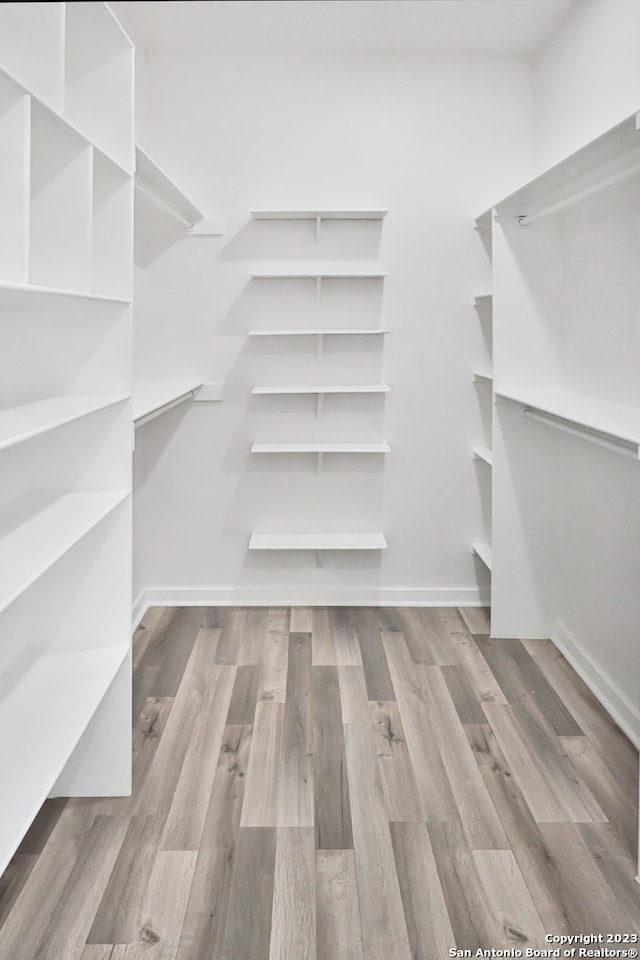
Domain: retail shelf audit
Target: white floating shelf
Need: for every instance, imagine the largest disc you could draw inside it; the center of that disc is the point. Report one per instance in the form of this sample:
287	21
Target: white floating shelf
348	332
312	447
161	188
317	541
619	424
66	687
18	424
484	301
151	399
322	389
483	378
483	453
24	290
483	220
611	159
321	273
483	550
319	214
36	531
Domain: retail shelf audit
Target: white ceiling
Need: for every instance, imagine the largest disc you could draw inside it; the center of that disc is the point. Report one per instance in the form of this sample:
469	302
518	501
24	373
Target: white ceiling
517	27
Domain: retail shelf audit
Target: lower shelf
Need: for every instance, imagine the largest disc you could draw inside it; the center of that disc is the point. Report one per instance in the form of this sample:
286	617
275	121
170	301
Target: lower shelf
483	551
381	447
43	713
317	541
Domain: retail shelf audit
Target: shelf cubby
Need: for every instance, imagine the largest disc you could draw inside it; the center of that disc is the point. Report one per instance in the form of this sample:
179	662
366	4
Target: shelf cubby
22	423
37	529
111	240
66	687
33	54
60	203
98	79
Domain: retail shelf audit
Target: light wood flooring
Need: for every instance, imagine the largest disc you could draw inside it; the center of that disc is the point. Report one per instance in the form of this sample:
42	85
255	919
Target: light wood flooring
340	784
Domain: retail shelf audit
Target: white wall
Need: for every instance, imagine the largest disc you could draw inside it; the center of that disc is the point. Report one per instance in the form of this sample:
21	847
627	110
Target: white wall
434	139
587	78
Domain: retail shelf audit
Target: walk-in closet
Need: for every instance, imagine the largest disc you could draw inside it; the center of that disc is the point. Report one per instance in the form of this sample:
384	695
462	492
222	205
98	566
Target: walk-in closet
320	486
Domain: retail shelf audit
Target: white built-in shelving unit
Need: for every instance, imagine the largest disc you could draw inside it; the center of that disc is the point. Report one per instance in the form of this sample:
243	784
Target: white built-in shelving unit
483	380
319	274
566	421
66	192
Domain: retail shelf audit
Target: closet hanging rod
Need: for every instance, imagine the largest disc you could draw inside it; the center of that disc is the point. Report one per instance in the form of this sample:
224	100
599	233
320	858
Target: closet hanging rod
165	407
625	447
628	174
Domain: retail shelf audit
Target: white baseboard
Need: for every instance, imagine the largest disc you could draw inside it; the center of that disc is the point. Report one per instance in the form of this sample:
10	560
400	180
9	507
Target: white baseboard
625	713
296	597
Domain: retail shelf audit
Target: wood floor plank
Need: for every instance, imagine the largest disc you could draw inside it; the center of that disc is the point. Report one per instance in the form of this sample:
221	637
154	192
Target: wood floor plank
157	644
613	801
242	705
618	869
477	620
13	880
184	630
163	910
578	801
526	841
464	697
66	934
200	676
413	631
471	922
296	805
293	917
208	905
347	644
509	901
537	791
353	694
429	928
301	619
469	657
477	813
255	630
593	907
230	648
262	789
374	662
40	830
323	641
394	764
437	637
331	786
339	932
247	932
384	930
524	684
616	750
275	656
434	790
117	916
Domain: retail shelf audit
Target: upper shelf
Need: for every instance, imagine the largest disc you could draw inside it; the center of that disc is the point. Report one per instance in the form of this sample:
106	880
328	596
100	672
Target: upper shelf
610	421
319	214
155	182
612	158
